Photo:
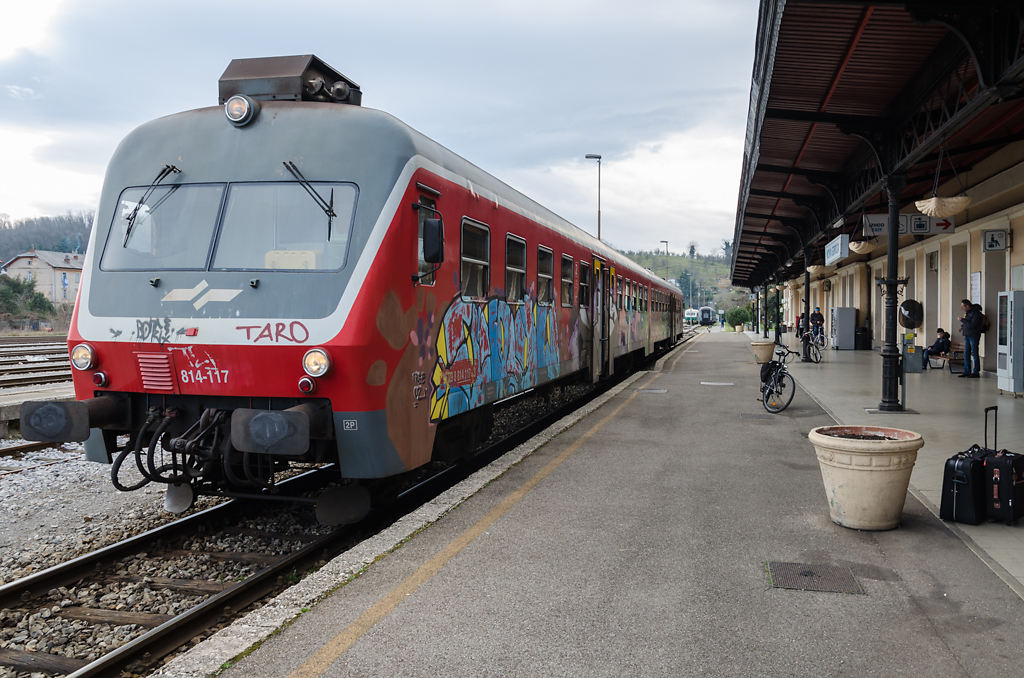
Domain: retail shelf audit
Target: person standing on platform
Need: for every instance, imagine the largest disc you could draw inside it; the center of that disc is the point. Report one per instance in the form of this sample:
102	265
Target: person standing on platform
970	326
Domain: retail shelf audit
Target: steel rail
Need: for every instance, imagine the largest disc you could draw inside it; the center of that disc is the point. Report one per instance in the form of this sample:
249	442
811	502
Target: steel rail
67	572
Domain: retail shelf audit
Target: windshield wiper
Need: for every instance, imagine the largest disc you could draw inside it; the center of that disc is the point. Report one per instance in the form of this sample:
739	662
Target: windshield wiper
326	206
164	173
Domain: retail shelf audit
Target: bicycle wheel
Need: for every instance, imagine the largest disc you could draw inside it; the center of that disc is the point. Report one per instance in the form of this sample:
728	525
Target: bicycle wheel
814	353
777	393
822	341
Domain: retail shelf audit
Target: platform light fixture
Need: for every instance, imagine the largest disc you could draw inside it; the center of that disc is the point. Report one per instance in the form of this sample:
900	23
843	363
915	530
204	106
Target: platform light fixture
597	157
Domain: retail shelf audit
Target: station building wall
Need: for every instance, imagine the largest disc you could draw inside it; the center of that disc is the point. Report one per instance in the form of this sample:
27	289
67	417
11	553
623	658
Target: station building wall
942	269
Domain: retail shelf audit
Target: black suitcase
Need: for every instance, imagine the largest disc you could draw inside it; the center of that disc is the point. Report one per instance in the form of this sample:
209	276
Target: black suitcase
1004	481
963	483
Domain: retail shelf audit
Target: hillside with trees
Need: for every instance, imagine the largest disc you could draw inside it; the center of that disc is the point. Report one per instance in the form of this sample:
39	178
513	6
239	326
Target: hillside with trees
65	233
706	275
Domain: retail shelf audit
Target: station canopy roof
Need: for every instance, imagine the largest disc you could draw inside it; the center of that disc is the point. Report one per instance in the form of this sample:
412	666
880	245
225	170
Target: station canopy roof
843	93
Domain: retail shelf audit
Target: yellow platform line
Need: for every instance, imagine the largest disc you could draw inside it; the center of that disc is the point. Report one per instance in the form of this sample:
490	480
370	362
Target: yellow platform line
339	644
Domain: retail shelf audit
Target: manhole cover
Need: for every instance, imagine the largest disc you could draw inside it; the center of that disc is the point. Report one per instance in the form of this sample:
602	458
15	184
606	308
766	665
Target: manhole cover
805	577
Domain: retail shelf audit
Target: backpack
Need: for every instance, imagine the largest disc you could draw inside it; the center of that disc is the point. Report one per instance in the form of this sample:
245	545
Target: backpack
983	323
767	369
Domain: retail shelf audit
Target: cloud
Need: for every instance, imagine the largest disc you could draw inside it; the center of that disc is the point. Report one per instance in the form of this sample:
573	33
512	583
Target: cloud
27	25
29	187
680	188
521	89
21	93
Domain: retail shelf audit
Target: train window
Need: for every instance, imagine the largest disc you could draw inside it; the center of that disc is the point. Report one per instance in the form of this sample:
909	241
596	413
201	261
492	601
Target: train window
584	295
423	269
172	229
618	289
566	280
476	259
545	276
278	225
515	269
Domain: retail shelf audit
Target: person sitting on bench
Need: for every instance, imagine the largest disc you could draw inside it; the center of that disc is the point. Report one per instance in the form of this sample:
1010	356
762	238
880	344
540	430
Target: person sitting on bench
940	347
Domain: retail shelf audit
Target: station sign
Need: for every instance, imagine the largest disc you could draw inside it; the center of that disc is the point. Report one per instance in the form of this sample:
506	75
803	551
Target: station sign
910	224
837	249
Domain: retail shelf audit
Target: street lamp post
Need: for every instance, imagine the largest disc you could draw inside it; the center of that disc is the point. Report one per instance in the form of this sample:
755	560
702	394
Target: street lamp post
597	157
665	243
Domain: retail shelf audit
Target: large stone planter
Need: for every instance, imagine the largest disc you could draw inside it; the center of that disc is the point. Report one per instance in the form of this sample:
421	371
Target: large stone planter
866	472
763	350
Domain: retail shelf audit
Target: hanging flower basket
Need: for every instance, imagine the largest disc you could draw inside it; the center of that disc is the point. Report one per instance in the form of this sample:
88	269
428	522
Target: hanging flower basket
943	207
862	246
818	269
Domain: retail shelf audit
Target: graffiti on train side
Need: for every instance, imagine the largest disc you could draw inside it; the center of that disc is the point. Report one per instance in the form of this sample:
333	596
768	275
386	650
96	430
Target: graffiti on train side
492	350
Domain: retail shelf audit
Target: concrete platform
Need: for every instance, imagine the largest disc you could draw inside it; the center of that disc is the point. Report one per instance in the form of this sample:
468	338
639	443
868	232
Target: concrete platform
949	413
635	543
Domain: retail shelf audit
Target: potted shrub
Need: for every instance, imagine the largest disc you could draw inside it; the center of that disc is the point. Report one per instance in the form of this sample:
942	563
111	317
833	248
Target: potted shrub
736	316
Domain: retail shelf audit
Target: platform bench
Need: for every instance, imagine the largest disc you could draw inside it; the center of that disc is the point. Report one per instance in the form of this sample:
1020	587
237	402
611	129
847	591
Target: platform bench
954	355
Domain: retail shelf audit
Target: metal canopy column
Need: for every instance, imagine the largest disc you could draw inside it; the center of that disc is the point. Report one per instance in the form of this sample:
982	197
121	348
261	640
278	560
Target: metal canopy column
891	366
805	322
765	306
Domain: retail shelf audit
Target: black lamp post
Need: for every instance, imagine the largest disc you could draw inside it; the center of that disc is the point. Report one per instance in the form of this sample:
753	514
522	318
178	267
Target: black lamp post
597	157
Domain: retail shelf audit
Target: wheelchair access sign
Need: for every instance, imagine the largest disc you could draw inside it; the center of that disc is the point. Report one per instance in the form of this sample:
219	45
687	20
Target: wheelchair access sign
994	241
910	224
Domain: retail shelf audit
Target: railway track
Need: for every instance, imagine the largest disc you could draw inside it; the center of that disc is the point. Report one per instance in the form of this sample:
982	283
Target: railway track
54	597
248	571
16	451
31	364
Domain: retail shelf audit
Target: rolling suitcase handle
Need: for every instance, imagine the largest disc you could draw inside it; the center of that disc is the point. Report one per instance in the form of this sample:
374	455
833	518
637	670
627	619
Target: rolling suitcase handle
995	427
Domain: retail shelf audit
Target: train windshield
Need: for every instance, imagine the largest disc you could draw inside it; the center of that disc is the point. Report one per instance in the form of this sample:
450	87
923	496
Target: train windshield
278	226
172	229
265	226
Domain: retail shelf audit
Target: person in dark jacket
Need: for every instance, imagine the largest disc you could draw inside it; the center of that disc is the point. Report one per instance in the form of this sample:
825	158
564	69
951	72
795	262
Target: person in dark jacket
940	347
817	322
970	326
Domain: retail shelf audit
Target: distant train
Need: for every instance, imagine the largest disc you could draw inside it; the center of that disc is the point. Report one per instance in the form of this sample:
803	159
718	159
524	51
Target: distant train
708	315
307	280
691	316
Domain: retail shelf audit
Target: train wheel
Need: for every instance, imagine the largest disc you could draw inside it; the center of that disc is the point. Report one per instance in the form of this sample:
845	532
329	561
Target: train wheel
342	505
459	437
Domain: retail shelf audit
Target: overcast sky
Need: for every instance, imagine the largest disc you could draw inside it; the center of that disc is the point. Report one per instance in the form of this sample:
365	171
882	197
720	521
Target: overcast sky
522	88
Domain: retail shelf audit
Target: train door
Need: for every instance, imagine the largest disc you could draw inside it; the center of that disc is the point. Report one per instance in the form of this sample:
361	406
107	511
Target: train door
672	317
599	312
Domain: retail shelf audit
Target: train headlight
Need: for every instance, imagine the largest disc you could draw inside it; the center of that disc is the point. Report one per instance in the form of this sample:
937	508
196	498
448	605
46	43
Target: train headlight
316	362
83	357
240	110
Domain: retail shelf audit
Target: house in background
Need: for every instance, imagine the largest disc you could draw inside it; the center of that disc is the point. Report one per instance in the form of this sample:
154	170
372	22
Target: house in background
56	274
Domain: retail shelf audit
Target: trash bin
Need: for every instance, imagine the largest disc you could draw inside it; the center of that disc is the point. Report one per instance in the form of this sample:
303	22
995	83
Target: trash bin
862	339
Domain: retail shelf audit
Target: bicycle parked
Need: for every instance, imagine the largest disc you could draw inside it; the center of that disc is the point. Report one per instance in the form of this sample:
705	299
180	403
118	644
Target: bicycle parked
777	384
820	338
813	346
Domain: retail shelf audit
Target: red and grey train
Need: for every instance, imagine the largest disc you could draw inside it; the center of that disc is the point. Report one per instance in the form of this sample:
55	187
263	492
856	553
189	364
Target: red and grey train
291	278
